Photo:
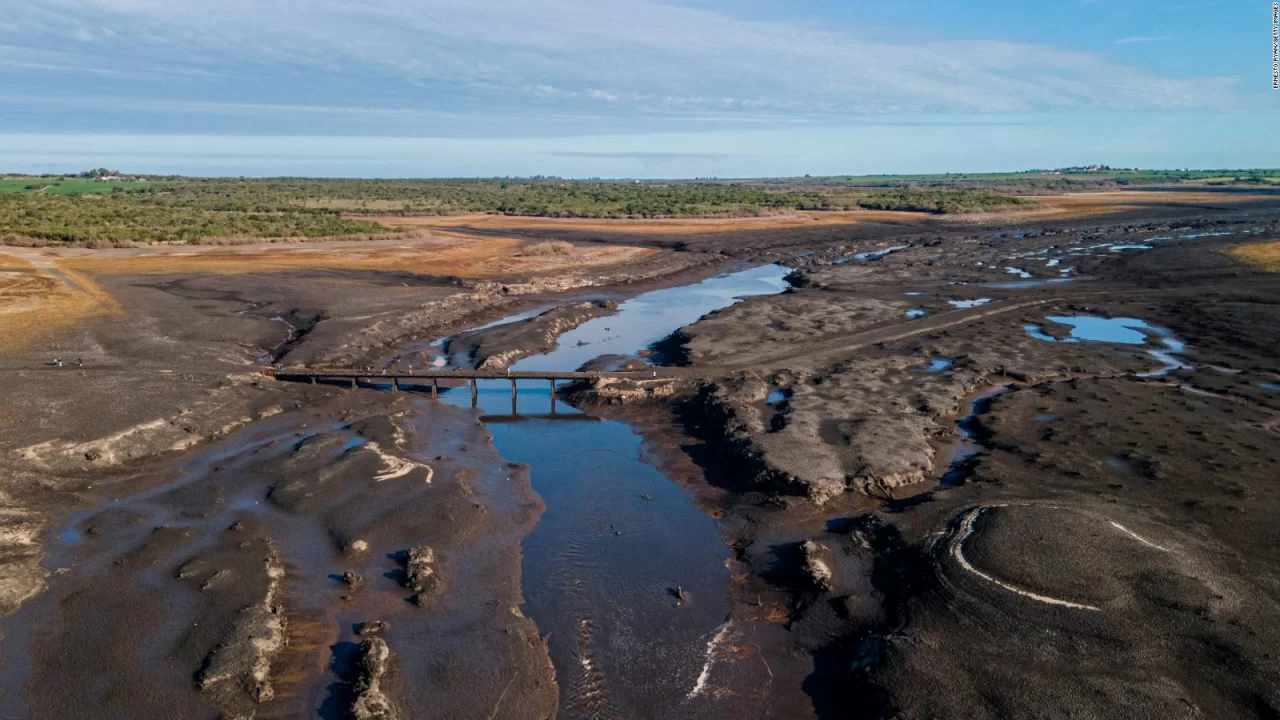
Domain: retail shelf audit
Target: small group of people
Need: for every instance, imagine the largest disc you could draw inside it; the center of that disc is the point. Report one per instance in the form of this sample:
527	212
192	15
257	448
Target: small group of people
57	362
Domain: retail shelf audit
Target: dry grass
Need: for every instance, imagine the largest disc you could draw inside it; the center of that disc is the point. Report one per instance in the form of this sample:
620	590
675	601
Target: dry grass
36	305
1047	206
460	223
1263	255
552	247
450	256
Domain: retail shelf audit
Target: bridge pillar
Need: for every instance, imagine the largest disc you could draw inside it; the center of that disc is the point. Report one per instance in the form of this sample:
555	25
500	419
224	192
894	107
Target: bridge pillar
313	379
435	387
473	392
513	388
553	395
353	384
395	384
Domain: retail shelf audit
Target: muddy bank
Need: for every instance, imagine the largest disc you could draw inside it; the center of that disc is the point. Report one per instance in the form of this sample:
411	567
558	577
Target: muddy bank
496	348
1105	490
254	563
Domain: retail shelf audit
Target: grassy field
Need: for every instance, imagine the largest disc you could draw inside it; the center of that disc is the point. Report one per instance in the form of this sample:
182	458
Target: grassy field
65	186
1263	255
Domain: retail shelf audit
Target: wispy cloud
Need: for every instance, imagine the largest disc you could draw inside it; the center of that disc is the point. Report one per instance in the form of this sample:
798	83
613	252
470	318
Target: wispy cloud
444	63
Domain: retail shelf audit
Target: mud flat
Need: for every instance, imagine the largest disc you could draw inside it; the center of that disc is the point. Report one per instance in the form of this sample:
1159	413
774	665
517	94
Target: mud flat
1092	535
769	532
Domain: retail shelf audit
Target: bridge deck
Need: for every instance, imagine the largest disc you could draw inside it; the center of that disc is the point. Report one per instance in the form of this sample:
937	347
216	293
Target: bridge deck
376	375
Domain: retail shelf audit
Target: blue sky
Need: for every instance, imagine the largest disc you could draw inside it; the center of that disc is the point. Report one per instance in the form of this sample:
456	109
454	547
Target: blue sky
633	88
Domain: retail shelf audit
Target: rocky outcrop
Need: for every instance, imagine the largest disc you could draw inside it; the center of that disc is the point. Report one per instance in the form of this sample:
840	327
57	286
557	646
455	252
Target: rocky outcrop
373	664
422	576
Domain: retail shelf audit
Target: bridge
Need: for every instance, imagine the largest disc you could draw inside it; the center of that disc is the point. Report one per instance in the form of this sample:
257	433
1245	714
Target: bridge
399	379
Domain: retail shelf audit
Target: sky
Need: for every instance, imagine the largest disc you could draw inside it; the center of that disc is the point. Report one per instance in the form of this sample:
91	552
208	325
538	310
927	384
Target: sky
633	88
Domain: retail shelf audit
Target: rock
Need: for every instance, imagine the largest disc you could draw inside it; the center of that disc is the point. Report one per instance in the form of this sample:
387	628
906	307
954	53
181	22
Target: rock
420	575
373	663
374	627
817	569
352	580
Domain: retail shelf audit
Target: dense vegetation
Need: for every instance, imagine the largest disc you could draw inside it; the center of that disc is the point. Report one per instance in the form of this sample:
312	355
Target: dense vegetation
124	217
193	210
106	207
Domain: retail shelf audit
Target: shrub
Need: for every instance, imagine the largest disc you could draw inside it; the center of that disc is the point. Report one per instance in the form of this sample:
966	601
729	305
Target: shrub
551	247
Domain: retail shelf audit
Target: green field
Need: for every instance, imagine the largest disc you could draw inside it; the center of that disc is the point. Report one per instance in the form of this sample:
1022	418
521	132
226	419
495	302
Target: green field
65	186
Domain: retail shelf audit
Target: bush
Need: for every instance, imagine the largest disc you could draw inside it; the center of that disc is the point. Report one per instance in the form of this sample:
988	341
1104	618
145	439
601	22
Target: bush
551	247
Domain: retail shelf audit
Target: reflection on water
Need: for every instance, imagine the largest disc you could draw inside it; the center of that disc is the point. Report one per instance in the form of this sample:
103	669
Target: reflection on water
617	538
1121	331
648	318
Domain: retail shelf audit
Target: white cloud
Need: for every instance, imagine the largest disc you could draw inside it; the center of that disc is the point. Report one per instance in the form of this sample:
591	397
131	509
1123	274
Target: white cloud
567	57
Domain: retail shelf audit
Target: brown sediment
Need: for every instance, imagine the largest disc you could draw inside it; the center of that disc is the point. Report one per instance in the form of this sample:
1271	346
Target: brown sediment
1147	499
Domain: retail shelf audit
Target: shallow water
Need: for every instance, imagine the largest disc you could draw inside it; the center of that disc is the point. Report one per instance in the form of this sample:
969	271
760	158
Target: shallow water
648	318
873	255
777	396
959	468
936	365
966	304
617	539
1121	331
914	313
1274	387
1025	284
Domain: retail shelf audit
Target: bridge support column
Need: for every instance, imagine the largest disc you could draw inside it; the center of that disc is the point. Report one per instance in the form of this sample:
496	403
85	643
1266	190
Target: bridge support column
474	392
353	384
553	395
513	388
435	387
395	384
313	379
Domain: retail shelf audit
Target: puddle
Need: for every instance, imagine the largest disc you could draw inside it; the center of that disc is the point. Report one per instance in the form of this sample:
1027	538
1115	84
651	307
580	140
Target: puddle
966	304
936	365
354	443
1019	272
916	313
617	536
1122	248
1121	331
913	293
1194	236
1273	387
1023	284
70	536
959	468
873	255
1045	417
1054	262
777	396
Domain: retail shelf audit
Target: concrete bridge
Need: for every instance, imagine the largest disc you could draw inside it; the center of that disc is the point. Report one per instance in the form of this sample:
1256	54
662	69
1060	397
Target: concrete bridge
399	379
